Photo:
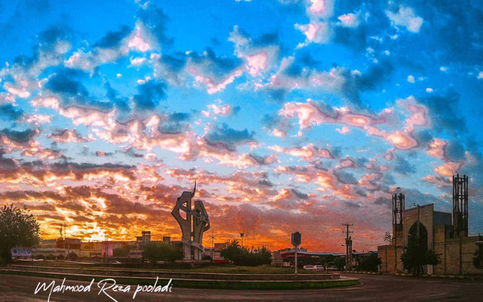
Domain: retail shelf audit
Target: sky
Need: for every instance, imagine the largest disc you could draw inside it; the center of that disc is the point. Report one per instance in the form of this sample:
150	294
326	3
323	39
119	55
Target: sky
289	115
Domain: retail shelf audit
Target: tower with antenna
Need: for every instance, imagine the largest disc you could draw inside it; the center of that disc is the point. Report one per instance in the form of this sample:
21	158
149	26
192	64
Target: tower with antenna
398	207
460	205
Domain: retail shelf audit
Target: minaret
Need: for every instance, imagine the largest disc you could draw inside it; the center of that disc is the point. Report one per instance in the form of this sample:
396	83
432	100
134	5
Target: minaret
398	206
460	205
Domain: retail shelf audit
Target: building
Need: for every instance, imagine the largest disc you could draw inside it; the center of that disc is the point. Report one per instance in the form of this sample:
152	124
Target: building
57	248
444	233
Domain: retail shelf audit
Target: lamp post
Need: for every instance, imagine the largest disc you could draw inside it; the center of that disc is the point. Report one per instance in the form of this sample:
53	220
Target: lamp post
242	235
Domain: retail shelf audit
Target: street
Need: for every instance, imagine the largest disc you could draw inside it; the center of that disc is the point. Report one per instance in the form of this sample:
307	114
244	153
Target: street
15	288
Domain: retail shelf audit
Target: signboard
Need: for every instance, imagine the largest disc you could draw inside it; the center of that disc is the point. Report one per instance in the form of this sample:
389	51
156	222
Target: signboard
296	239
21	252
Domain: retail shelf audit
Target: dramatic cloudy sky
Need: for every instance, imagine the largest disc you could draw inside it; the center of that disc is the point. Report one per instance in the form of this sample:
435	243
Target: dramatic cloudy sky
290	115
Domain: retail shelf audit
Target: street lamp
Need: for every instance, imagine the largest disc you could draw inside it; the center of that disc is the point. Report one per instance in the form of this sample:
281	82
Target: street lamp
242	235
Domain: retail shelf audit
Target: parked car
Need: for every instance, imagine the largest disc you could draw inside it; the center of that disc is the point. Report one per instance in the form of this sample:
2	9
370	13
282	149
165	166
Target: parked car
309	267
332	268
319	267
114	262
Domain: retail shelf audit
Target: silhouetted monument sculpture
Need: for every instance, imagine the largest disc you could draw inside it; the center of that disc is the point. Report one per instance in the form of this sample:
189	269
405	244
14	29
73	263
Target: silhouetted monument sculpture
193	226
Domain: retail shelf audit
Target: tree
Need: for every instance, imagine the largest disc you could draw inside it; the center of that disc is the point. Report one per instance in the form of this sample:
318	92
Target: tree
416	254
387	238
371	263
340	262
232	251
122	251
242	256
478	258
161	251
18	228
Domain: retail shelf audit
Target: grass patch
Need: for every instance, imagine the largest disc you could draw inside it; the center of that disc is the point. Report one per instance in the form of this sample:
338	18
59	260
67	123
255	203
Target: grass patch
214	284
221	269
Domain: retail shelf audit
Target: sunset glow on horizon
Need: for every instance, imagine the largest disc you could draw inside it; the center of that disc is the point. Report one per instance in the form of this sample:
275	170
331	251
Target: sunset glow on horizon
289	115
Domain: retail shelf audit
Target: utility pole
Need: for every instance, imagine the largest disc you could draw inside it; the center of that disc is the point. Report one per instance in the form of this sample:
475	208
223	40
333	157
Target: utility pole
65	242
212	245
348	246
296	263
106	251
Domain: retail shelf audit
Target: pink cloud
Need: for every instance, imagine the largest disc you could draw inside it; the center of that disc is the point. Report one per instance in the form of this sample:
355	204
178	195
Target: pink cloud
138	41
401	140
317	32
349	20
212	85
346	162
257	63
437	148
308	152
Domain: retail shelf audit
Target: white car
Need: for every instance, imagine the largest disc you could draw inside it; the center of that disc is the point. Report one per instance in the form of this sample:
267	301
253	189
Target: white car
309	268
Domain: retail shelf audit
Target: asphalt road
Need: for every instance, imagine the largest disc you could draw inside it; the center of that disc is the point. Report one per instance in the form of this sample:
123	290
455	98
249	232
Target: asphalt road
373	288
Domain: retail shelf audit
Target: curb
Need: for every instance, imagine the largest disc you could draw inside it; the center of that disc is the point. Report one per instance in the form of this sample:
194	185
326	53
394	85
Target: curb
439	276
203	283
361	272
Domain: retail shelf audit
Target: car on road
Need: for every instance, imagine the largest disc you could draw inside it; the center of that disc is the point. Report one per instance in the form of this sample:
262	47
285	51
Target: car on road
332	268
309	267
319	267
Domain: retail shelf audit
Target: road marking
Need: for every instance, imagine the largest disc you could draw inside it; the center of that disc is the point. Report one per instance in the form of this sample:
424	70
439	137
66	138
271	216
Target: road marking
435	295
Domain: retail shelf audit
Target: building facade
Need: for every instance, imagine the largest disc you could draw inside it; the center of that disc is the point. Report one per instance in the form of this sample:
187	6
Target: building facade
446	234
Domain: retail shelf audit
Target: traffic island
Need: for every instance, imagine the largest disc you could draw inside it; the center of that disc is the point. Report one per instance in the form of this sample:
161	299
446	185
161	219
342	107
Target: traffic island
200	280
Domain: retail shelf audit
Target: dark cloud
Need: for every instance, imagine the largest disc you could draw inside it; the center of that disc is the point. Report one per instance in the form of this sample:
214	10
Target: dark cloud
122	103
303	59
414	196
277	94
351	205
218	66
149	95
346	177
361	161
452	27
228	136
19	136
423	137
261	160
383	201
299	194
266	40
55	33
47	41
355	38
402	166
179	117
113	39
370	79
155	20
271	120
174	62
388	180
68	82
10	112
265	182
455	150
444	112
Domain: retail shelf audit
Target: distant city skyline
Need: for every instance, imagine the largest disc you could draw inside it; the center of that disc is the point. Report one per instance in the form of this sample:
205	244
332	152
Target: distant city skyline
289	115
